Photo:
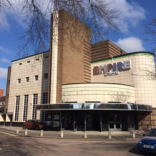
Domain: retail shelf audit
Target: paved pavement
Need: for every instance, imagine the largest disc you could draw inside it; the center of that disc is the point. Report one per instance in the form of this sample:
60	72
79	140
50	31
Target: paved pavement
90	135
37	146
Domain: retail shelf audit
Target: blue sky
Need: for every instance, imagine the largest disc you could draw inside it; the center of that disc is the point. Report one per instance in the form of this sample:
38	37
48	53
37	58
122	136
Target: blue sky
135	14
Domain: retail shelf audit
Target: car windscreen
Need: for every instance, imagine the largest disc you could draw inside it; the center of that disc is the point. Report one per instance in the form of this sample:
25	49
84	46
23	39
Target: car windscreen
152	132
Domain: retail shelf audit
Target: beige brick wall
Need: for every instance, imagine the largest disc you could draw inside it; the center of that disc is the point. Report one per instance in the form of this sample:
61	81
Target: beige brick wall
103	93
73	66
34	67
140	76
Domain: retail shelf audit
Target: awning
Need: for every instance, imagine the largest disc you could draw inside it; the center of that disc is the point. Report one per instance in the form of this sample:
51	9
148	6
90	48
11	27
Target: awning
94	106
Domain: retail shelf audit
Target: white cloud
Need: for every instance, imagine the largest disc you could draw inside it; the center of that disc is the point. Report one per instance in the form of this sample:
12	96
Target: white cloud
3	72
131	13
6	51
17	14
130	44
4	22
4	60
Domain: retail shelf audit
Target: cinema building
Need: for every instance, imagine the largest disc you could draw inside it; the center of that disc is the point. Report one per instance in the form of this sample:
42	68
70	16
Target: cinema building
77	85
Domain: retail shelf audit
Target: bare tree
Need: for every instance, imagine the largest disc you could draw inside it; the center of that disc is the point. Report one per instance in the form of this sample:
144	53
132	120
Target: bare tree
4	3
121	97
97	14
151	33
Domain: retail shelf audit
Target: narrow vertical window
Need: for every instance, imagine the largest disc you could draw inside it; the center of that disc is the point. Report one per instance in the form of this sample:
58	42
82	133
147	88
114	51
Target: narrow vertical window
44	101
25	111
44	98
17	107
34	113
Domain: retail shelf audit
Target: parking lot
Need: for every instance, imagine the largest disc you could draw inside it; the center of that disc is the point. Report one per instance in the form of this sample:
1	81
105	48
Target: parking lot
72	143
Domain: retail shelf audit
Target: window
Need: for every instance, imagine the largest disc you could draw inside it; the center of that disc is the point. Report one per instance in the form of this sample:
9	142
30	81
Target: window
19	80
45	98
28	61
20	63
44	101
17	107
46	76
27	79
36	77
25	108
46	56
37	59
34	113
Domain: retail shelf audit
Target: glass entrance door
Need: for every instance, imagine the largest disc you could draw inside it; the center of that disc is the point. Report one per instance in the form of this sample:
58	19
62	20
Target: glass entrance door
115	122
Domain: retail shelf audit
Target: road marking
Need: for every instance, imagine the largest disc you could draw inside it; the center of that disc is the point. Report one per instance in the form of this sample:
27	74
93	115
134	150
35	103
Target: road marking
8	133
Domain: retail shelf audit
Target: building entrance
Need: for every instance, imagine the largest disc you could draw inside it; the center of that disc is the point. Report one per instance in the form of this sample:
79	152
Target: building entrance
115	122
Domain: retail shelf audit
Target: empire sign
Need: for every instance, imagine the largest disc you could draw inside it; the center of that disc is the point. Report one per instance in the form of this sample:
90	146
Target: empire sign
112	69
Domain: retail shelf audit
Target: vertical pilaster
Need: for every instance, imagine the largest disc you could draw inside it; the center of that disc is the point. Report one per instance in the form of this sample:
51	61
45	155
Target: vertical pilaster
54	58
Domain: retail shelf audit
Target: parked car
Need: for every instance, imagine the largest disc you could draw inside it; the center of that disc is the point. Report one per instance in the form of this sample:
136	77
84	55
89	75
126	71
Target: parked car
33	124
148	142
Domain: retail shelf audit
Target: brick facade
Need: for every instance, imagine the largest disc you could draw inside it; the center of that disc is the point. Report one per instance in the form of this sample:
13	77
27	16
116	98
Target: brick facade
1	92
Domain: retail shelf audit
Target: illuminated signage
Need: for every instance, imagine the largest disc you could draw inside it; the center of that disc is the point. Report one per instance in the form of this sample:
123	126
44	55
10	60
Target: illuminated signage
112	69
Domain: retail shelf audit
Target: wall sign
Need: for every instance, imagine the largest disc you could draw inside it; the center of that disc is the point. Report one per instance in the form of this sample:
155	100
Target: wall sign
112	69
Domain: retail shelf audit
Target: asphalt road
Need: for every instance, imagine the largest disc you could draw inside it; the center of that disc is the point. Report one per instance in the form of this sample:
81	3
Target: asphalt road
11	145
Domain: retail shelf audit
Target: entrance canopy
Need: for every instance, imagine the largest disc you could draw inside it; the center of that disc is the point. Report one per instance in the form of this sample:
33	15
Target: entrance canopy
95	106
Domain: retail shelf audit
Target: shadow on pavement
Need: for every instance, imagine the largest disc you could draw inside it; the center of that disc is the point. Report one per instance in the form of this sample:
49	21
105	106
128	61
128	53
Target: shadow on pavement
134	150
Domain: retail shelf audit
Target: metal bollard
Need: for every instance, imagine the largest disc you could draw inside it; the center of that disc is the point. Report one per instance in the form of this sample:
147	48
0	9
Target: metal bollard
17	132
26	132
61	134
41	133
85	135
133	134
109	135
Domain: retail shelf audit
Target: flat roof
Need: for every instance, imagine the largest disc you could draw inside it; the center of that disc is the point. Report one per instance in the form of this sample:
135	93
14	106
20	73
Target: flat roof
30	56
126	55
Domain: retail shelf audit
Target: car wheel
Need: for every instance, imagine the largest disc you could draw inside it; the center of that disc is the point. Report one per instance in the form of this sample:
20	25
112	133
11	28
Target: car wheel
141	152
24	127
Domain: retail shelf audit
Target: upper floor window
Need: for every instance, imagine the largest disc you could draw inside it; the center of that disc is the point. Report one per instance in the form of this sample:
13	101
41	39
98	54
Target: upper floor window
28	61
19	80
36	77
20	63
46	76
27	79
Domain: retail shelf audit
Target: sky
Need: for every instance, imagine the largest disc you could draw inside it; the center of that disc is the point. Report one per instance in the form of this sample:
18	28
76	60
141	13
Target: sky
134	15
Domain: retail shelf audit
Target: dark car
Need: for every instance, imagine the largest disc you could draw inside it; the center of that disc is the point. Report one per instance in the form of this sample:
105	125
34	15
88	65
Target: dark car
148	142
33	124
